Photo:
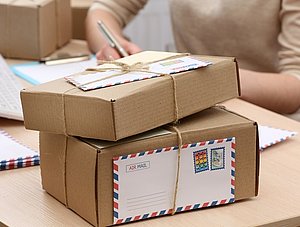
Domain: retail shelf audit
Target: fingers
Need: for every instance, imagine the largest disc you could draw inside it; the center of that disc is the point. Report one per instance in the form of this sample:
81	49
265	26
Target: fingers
107	53
131	48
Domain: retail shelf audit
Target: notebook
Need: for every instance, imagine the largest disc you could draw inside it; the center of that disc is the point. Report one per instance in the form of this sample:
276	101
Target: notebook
38	73
15	155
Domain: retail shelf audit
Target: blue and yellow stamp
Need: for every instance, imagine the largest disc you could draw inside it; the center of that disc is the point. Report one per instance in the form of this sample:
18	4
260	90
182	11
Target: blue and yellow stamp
200	160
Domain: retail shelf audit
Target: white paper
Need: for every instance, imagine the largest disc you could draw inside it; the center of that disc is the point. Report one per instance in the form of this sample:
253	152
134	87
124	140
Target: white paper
207	185
269	136
177	65
146	189
144	183
97	80
11	149
41	73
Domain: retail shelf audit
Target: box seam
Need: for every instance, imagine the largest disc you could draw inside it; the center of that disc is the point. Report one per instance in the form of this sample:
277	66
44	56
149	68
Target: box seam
39	30
238	76
257	160
96	189
112	102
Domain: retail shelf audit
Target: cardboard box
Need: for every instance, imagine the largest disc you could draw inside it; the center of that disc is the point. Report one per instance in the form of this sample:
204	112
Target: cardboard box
120	111
33	29
79	12
63	21
89	175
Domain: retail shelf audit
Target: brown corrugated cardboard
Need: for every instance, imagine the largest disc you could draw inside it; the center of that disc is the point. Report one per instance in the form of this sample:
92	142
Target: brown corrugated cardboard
120	111
29	29
63	21
79	12
81	171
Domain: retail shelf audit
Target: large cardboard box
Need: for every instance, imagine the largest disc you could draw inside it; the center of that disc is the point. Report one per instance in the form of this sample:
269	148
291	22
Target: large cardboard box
104	182
116	112
79	12
33	29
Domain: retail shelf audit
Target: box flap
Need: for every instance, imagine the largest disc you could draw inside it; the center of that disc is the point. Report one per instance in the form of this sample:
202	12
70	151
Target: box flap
101	144
82	181
52	169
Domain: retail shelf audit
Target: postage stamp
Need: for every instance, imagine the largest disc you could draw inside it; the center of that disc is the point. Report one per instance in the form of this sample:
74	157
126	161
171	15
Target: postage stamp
200	161
217	158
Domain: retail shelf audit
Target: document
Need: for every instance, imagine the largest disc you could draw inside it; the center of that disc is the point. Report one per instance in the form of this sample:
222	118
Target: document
15	155
145	183
38	73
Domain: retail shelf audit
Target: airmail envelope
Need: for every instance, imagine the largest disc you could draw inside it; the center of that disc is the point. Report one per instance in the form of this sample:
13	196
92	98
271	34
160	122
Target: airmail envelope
135	178
145	183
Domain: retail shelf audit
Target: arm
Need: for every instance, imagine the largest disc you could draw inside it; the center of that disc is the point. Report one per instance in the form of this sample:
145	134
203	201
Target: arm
277	92
105	10
95	40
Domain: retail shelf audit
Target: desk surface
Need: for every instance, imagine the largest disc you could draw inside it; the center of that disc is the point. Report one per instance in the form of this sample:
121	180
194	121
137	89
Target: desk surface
24	202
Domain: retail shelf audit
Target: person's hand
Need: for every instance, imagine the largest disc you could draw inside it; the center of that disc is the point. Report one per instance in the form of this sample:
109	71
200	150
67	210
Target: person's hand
109	53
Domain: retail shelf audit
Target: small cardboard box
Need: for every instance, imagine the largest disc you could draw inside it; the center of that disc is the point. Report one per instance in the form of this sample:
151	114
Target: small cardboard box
79	12
104	181
116	112
33	29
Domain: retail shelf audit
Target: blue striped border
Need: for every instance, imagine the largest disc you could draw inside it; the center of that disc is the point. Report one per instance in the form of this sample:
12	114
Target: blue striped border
19	162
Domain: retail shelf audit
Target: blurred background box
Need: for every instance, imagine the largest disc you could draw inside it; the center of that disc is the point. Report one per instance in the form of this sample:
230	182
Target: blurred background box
33	29
63	21
79	12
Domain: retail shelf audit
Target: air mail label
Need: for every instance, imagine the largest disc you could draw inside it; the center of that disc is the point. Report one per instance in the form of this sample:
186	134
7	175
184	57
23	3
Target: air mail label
206	178
138	166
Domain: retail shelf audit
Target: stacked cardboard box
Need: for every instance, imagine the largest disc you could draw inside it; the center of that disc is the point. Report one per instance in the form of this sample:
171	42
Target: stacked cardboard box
128	109
209	158
33	29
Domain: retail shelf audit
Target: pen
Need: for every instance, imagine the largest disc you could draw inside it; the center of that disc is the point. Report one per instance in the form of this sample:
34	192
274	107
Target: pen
111	39
64	60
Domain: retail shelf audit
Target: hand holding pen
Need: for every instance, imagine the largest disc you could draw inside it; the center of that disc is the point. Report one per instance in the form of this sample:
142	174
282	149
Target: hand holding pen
117	47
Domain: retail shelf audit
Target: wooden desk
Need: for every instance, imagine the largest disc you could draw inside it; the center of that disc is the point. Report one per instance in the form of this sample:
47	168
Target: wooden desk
23	201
